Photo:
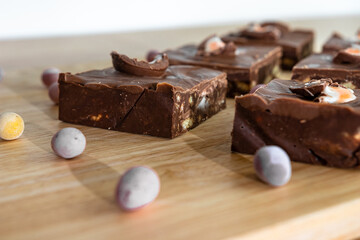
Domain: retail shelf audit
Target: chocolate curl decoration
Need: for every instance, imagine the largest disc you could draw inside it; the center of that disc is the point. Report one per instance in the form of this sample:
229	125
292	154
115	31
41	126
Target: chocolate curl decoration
155	68
214	46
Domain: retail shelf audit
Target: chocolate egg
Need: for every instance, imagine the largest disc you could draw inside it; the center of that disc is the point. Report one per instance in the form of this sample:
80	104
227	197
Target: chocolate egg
11	126
272	165
68	143
50	76
54	92
137	187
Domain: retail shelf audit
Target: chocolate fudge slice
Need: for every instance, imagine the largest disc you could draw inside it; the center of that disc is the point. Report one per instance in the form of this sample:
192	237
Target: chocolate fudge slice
295	44
167	105
246	67
313	122
322	65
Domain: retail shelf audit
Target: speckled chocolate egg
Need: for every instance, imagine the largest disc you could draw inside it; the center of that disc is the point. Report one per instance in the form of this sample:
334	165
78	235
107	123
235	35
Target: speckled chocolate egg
50	76
11	126
54	92
256	88
272	165
68	142
137	187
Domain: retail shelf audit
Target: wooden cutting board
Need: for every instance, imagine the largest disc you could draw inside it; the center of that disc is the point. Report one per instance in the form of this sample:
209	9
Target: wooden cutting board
207	191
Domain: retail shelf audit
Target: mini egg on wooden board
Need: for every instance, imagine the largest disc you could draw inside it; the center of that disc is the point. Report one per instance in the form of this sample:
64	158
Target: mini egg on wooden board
137	187
68	143
272	165
11	126
54	92
50	76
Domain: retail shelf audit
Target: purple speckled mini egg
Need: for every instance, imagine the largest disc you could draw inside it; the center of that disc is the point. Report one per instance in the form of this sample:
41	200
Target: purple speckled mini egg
50	76
272	165
54	92
137	187
68	143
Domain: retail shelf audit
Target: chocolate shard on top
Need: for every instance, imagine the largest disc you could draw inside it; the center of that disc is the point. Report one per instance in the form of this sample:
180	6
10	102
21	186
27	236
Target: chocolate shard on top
311	89
348	56
257	31
155	68
279	25
214	46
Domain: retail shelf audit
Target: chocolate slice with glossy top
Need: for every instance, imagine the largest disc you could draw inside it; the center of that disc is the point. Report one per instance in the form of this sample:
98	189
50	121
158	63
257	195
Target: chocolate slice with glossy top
310	132
165	106
251	65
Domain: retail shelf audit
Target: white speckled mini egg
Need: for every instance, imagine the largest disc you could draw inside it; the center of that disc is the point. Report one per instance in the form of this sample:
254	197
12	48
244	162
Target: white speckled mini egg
137	187
272	165
68	142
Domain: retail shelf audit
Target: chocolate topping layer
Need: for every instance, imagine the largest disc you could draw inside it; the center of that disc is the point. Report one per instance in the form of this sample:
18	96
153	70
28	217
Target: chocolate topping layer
180	77
123	63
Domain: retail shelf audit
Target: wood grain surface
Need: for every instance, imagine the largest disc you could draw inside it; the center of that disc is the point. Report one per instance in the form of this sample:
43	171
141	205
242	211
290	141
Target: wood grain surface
207	192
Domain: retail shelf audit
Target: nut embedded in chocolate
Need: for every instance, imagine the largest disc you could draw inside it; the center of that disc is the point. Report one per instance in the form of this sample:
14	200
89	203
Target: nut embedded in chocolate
156	68
348	56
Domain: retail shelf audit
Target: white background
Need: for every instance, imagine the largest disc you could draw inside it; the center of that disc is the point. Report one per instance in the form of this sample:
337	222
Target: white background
36	18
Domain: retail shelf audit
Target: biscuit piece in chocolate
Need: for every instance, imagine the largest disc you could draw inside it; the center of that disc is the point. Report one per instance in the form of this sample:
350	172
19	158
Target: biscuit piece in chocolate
295	44
322	65
246	66
309	131
165	106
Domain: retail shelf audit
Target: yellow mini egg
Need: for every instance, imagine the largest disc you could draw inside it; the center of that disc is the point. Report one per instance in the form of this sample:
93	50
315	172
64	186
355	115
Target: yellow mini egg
11	126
